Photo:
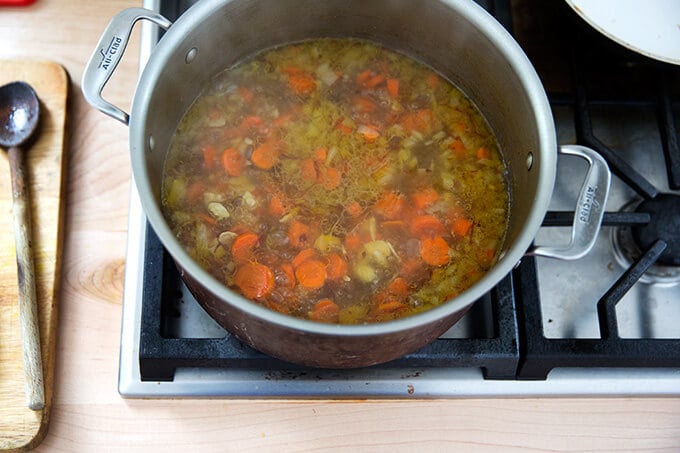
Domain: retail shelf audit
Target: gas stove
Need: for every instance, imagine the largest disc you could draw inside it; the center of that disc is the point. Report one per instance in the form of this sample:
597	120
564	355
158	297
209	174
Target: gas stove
607	324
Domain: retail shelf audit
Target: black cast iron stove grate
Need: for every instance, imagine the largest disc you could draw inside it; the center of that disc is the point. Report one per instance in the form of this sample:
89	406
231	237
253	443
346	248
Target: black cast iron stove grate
538	354
510	344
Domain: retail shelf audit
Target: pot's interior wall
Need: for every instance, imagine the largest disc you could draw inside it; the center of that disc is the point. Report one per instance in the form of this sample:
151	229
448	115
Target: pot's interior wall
434	32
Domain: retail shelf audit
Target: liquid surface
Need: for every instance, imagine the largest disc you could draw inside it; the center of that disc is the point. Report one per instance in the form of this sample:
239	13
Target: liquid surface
337	181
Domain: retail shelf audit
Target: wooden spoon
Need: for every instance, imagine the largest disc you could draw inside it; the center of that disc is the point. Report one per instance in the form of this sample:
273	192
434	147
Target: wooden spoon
19	114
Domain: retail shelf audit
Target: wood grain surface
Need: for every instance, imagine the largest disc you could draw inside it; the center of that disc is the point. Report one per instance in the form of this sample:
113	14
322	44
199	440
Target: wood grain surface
88	415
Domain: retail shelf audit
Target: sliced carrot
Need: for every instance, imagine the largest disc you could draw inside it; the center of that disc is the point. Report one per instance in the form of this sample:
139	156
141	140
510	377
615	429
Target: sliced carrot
342	127
195	191
389	205
396	291
354	209
243	247
265	156
276	206
329	177
311	274
320	154
374	81
364	76
308	170
458	147
370	133
433	80
483	153
352	241
251	121
363	104
300	81
299	234
434	251
205	218
423	226
233	162
336	267
302	256
289	275
460	127
391	306
398	287
210	157
461	226
419	121
425	197
325	310
255	280
246	94
393	87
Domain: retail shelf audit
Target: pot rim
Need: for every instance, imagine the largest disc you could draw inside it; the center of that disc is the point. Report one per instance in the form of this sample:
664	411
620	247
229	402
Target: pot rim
542	112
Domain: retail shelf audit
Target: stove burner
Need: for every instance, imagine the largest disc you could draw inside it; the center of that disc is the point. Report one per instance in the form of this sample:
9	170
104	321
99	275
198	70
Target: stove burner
629	243
665	224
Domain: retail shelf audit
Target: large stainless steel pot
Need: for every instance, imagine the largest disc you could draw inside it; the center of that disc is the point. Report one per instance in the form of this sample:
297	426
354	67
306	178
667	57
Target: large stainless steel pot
456	37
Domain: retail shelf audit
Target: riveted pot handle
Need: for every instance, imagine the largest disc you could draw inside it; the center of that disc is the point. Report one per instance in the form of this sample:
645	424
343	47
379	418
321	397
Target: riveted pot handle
589	208
108	54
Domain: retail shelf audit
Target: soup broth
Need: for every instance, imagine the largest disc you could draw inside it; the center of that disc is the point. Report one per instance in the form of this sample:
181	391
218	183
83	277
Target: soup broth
337	181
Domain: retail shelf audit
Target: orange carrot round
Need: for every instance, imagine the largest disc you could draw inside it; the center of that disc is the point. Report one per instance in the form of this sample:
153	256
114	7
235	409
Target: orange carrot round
325	310
458	147
398	288
330	177
391	306
354	209
352	241
265	156
210	157
425	197
303	256
301	82
255	280
299	234
483	153
363	104
233	162
337	267
308	170
195	191
461	226
311	274
426	226
393	87
434	251
320	155
389	206
374	81
276	206
243	247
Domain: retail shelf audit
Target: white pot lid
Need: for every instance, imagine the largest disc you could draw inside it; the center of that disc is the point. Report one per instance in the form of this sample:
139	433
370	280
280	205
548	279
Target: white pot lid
649	27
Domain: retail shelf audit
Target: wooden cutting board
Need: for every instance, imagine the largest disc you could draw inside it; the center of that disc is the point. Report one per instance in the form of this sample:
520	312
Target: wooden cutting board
21	428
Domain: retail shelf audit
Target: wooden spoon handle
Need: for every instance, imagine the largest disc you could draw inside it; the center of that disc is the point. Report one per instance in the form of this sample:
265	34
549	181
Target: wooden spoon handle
28	302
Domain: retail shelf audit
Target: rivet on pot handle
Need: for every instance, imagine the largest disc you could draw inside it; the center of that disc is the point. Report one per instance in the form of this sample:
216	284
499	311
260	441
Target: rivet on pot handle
589	208
108	54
